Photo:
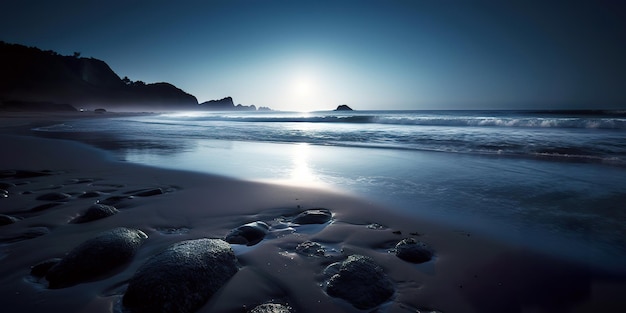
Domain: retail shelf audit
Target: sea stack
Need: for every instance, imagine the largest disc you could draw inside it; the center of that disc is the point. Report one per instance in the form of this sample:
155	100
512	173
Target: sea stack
343	107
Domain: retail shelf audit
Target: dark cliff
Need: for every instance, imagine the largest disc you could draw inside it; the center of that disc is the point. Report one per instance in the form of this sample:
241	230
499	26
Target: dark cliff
34	78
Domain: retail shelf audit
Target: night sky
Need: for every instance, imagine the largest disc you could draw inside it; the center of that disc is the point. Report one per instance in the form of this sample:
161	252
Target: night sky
311	55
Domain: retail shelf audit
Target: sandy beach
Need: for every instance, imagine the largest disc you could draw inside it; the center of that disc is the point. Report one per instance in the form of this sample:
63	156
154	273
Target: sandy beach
467	273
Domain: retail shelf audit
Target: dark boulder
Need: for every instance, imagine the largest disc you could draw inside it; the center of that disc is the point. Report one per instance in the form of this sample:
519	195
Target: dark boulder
182	277
413	251
40	269
5	185
313	216
96	257
249	234
91	194
361	282
6	219
95	212
45	206
271	308
148	192
29	233
54	196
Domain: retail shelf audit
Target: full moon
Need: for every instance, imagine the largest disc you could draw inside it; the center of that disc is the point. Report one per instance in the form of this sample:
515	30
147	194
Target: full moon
303	87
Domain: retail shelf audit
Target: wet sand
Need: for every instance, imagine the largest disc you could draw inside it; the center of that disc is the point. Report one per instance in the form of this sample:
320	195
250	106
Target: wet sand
468	273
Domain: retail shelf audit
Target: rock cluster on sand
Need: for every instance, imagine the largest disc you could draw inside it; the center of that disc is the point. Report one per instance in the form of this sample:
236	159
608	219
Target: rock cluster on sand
96	257
249	234
95	212
271	308
413	251
313	216
360	281
310	248
182	277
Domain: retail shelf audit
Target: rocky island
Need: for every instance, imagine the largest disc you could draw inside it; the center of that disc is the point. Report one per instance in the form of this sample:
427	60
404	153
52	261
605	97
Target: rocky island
343	107
227	104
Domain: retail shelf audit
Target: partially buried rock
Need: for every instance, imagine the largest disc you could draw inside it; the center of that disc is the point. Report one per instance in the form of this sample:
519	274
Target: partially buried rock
45	206
310	248
413	251
96	257
54	196
114	200
91	194
271	308
5	185
40	269
361	282
6	219
29	233
148	192
23	174
249	234
313	216
181	278
95	212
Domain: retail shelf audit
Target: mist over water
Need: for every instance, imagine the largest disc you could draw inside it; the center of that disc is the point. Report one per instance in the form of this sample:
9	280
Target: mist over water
554	180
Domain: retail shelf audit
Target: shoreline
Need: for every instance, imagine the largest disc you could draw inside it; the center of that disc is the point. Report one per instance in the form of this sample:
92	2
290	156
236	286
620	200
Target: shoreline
470	273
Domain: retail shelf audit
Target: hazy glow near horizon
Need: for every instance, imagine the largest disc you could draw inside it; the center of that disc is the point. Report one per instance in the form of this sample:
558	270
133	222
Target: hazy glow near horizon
303	56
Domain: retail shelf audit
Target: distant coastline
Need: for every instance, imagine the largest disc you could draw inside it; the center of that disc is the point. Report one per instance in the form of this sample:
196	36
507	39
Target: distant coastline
34	80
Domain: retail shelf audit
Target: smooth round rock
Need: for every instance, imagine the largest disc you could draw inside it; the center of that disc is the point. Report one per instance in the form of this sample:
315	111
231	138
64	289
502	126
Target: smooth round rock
95	257
34	232
249	234
271	308
54	196
7	219
181	278
413	251
361	282
313	216
41	269
45	206
29	233
91	194
95	212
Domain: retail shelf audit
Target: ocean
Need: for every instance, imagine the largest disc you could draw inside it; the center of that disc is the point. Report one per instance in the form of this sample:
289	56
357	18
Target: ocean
552	180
